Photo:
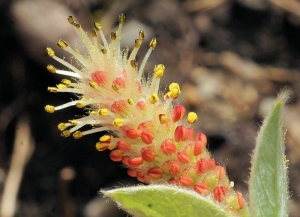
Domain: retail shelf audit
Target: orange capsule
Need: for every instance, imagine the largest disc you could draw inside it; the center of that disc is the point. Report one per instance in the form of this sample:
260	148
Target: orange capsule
133	133
180	133
116	155
155	172
135	162
219	193
183	157
201	166
168	147
123	145
148	154
201	188
147	136
178	113
185	181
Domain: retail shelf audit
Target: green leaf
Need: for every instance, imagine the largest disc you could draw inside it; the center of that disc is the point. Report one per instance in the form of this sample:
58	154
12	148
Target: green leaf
268	187
165	201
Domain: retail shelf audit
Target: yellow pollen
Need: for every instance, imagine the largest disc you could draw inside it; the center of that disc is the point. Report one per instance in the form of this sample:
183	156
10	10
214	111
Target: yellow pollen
174	90
137	43
102	112
93	84
77	134
61	86
77	25
66	82
113	36
130	101
52	89
73	122
71	19
62	126
153	43
111	147
98	26
153	98
118	122
51	68
92	113
115	87
121	19
94	33
100	145
192	117
65	133
142	35
49	108
133	63
50	52
62	43
79	105
105	138
163	119
159	70
104	51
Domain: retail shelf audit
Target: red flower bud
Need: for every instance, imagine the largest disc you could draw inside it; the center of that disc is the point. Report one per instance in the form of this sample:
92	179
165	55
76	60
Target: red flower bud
202	137
201	188
183	157
185	181
123	145
116	155
135	162
168	147
240	200
146	125
201	166
147	136
131	172
125	160
180	133
155	172
174	168
178	113
141	105
220	171
119	106
190	134
119	82
148	155
133	133
219	193
198	147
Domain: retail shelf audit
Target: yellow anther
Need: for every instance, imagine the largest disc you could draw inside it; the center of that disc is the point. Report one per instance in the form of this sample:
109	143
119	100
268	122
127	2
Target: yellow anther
111	147
192	117
50	52
159	70
62	126
50	108
73	122
98	26
93	84
71	19
62	43
77	25
61	86
94	33
102	112
101	146
137	43
121	18
79	105
113	36
65	133
153	98
51	68
133	63
141	35
92	113
163	118
77	134
52	89
104	51
115	87
118	122
130	101
174	90
153	43
105	138
67	82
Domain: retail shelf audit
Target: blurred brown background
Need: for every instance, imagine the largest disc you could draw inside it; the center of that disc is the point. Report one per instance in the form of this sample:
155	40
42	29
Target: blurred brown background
231	59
